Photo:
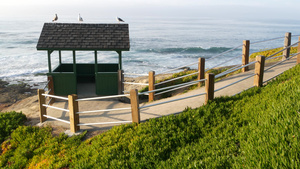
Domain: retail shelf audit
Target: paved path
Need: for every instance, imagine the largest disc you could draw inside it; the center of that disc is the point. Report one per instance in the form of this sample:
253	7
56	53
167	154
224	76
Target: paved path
159	110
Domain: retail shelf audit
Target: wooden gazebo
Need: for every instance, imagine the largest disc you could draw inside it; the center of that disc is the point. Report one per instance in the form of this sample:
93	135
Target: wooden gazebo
84	37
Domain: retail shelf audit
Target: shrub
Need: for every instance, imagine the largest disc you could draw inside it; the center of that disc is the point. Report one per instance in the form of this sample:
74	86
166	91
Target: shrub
34	147
9	121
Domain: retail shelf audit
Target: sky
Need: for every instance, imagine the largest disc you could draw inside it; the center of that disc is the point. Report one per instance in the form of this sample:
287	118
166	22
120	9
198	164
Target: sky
160	8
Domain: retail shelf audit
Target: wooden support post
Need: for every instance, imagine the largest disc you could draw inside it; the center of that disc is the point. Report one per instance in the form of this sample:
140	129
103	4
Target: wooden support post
120	59
73	109
245	59
42	101
151	85
209	86
259	71
59	54
120	81
74	63
135	110
298	51
201	70
51	88
96	61
287	42
49	61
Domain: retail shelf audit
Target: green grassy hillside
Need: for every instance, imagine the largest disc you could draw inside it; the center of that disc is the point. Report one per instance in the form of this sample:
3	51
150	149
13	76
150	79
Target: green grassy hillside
270	52
258	128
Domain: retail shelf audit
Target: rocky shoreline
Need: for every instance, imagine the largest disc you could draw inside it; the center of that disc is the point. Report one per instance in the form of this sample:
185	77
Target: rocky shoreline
12	93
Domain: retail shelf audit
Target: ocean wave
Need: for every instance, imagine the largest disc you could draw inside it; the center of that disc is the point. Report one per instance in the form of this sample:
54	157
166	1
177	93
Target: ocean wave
36	72
133	61
190	50
25	42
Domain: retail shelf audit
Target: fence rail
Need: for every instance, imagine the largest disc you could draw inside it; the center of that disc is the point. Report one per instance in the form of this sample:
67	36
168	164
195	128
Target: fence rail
54	118
133	83
135	74
96	111
247	77
267	40
106	97
56	97
209	81
57	108
91	124
168	71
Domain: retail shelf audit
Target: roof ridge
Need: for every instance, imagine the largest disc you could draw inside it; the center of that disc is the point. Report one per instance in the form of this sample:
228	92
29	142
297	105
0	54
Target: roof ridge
84	36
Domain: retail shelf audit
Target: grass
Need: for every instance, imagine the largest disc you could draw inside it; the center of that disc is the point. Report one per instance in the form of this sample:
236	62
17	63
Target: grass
182	80
270	52
266	53
258	128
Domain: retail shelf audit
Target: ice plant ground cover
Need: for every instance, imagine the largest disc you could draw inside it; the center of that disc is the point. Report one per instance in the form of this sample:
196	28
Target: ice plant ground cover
258	128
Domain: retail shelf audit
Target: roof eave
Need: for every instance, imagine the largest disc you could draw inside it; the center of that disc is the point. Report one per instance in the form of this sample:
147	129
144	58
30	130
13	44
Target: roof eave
76	49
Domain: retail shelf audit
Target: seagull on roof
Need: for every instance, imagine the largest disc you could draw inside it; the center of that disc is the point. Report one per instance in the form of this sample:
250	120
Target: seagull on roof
119	19
55	18
80	18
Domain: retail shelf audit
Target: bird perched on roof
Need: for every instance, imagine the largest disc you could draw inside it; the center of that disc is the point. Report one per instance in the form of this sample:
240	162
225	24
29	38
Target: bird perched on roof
55	18
119	19
80	18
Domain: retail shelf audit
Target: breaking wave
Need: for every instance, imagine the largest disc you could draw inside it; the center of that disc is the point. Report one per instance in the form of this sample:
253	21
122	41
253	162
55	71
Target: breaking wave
191	50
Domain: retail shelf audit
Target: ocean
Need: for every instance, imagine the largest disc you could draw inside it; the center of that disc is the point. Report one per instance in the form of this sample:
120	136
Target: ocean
157	44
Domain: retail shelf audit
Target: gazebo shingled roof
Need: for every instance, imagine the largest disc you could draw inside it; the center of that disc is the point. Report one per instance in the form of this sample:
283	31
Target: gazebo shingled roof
74	36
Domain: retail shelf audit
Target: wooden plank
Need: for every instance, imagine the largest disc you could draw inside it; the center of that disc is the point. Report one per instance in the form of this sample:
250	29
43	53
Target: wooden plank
51	88
120	82
135	110
209	86
259	71
151	85
107	83
201	70
73	109
245	58
42	101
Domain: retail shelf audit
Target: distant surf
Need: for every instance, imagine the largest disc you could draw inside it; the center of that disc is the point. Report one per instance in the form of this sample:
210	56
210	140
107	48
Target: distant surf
189	50
156	44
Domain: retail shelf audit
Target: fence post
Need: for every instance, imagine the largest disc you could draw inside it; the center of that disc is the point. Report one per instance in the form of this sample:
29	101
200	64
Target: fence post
135	110
120	81
245	59
151	85
201	70
287	42
42	101
51	88
298	51
209	86
259	71
73	109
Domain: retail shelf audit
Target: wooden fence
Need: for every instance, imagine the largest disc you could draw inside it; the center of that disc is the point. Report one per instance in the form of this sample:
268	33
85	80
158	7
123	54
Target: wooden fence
134	95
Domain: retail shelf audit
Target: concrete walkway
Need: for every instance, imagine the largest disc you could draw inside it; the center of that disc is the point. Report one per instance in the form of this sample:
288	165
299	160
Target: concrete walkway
159	110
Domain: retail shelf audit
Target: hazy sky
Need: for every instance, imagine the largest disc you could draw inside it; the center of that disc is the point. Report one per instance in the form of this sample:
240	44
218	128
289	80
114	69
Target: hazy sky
162	8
